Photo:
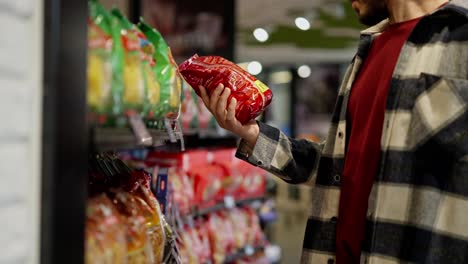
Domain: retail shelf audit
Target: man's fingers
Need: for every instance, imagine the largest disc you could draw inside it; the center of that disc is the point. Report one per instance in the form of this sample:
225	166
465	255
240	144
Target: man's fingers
222	104
231	111
204	95
214	97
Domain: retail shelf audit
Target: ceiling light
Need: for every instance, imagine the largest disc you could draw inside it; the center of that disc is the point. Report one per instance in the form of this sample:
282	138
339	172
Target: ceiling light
254	68
261	34
304	71
302	23
281	77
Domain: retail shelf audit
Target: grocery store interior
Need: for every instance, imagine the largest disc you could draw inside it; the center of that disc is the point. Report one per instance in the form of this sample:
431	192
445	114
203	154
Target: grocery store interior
112	157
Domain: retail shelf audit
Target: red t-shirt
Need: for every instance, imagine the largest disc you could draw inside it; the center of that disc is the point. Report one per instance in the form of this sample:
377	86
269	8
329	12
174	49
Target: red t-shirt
366	110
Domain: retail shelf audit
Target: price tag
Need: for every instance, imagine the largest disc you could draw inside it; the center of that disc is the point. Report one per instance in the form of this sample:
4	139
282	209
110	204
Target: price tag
159	187
249	250
273	253
256	205
229	202
142	135
180	135
170	131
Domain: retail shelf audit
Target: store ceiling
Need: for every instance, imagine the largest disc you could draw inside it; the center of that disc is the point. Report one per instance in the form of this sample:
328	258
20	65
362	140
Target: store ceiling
333	34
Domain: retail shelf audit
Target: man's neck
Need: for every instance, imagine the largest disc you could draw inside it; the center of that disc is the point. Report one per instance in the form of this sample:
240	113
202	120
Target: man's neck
404	10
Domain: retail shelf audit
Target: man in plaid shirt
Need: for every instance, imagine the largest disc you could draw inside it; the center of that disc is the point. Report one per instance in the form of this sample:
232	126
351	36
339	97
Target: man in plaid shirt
390	183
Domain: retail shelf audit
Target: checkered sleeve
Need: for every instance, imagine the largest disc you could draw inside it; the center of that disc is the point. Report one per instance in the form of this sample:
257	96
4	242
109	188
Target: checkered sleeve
295	161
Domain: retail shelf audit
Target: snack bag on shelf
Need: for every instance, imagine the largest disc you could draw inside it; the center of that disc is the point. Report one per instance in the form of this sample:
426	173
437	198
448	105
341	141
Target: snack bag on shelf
189	110
182	186
185	160
138	242
132	70
105	237
166	72
239	221
183	190
103	56
254	181
219	246
255	235
195	158
198	246
146	203
252	95
164	159
228	235
186	245
99	70
232	180
152	86
202	229
207	184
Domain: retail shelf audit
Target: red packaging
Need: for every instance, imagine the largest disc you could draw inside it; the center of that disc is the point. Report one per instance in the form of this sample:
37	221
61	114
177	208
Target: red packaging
218	246
164	159
252	95
187	246
205	253
221	234
254	181
255	236
207	181
183	190
240	223
232	180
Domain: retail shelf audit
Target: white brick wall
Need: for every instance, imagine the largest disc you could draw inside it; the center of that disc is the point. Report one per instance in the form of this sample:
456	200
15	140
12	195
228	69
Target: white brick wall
20	129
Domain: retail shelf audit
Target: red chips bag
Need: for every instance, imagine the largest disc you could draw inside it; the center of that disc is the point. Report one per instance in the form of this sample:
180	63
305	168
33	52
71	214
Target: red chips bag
252	95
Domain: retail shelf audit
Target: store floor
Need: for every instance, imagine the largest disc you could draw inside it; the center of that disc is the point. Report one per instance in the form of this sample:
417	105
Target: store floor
288	231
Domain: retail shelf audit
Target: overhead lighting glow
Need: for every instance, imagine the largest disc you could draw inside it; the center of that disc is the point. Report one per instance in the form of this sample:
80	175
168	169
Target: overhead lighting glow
281	77
261	34
243	65
304	71
302	23
254	68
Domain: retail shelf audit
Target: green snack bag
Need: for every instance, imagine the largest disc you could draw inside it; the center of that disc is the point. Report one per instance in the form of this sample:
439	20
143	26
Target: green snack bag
104	80
99	69
151	82
166	71
130	67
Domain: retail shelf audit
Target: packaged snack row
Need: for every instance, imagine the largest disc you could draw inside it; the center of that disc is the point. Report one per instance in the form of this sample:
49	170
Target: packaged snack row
130	70
124	221
202	178
220	235
128	212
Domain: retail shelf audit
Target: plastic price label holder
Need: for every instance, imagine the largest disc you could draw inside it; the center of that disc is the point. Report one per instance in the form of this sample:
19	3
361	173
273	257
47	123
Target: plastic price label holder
249	250
170	131
142	135
229	202
273	253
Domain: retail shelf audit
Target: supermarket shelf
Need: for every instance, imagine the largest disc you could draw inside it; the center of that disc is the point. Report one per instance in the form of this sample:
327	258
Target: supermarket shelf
228	203
244	252
210	138
111	139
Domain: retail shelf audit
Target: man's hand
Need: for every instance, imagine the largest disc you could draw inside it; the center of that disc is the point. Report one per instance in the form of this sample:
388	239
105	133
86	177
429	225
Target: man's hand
225	114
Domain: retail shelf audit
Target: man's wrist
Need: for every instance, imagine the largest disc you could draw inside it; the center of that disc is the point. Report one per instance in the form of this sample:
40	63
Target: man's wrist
251	137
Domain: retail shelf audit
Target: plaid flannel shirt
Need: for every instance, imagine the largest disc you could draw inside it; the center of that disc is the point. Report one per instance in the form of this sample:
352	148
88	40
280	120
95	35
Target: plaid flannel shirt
418	206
